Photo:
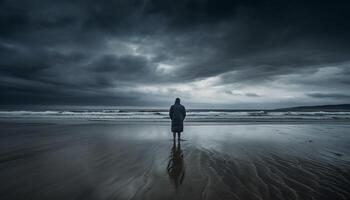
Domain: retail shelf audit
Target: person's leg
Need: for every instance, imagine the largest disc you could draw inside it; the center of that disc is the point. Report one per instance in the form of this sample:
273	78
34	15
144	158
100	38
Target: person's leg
178	135
174	134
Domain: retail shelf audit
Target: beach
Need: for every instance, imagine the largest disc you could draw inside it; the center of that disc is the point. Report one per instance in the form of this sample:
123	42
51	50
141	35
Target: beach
132	160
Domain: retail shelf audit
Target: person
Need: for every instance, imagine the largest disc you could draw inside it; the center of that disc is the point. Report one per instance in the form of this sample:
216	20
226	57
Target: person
177	114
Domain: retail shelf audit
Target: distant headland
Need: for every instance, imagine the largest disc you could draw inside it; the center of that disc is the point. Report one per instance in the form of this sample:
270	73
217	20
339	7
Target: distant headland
338	107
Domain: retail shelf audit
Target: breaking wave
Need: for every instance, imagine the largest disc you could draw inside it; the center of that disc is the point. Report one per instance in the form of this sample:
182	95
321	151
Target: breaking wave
163	114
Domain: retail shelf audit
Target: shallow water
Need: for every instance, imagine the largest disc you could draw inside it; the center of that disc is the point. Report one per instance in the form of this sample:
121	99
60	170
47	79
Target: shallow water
141	161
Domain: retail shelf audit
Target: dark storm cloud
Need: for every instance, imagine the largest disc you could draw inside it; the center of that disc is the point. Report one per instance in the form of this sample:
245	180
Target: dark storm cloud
134	68
98	52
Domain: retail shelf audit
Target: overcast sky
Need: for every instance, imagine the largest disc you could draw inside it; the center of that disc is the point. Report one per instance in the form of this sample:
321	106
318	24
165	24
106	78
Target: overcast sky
210	53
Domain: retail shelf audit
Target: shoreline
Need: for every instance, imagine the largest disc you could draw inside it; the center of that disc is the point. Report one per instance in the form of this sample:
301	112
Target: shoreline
167	122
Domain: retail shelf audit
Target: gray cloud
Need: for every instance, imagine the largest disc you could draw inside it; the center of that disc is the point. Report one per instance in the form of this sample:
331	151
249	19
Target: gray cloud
116	52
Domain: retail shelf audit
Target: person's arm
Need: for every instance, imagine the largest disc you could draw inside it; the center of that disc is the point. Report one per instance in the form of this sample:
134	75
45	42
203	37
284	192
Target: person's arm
171	111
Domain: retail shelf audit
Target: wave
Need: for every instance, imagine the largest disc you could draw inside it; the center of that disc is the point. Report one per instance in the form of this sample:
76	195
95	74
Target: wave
162	114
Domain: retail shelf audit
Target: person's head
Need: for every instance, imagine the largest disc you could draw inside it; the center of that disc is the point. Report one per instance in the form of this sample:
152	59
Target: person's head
177	101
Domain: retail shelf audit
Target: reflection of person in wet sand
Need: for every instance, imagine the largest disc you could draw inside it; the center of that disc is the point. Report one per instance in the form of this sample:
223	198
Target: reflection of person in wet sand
176	167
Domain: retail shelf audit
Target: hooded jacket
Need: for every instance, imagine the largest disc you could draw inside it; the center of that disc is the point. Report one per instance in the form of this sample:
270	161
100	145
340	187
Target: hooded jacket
177	114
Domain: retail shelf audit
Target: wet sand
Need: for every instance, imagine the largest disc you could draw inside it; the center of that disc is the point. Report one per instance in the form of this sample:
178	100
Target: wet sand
98	160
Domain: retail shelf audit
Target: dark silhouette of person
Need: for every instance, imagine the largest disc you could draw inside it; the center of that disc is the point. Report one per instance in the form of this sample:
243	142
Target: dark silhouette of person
176	167
177	114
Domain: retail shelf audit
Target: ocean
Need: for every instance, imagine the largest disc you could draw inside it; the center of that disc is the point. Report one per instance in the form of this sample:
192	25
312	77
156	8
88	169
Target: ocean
162	114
